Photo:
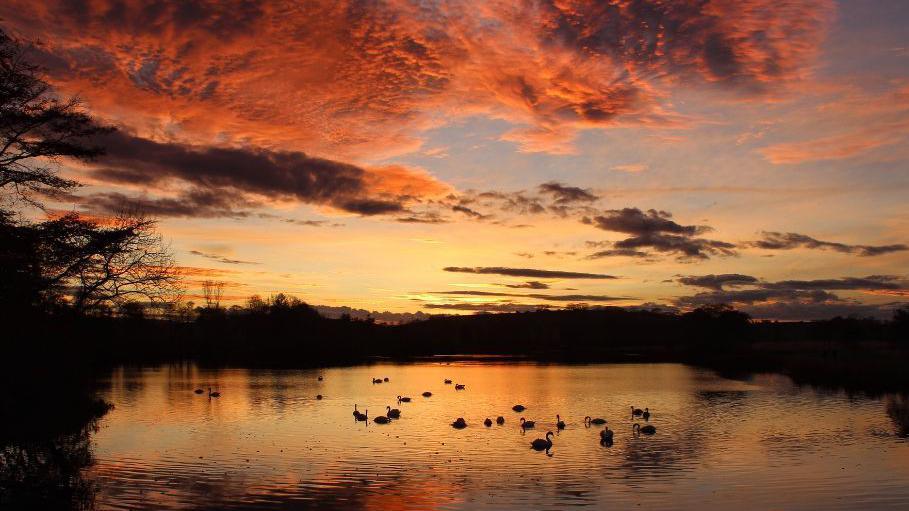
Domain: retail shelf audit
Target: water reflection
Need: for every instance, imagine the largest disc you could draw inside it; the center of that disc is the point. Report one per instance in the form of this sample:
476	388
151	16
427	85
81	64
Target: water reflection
269	443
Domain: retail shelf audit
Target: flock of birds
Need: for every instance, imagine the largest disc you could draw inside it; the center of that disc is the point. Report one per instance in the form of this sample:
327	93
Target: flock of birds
540	444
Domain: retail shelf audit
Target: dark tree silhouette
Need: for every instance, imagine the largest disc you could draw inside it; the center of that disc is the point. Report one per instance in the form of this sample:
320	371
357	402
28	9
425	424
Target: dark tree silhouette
37	128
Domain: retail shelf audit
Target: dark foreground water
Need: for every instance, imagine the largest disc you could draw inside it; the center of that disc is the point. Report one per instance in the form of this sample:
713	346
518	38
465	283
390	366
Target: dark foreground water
268	443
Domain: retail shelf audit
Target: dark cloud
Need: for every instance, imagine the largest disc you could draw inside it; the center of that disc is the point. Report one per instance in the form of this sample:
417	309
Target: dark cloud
639	223
563	194
469	212
825	310
532	284
311	223
486	307
618	252
230	171
752	296
869	283
536	296
687	247
422	218
220	258
194	202
528	272
717	282
791	240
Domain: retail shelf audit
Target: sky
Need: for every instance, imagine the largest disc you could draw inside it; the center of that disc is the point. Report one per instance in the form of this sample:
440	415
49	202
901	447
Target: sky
453	156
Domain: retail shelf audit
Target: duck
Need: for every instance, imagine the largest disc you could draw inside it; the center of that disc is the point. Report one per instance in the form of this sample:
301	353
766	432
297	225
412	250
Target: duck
393	413
647	430
447	382
362	416
636	412
459	386
319	396
606	435
381	420
356	412
427	394
597	421
542	444
213	394
385	379
518	408
404	399
560	424
646	414
198	391
460	423
500	420
320	378
487	422
525	424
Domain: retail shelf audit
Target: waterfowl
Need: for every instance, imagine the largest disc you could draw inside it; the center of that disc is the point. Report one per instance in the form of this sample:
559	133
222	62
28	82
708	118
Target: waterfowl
559	422
487	422
447	382
320	378
385	379
198	391
518	408
637	412
460	423
647	430
459	386
362	416
525	424
403	399
377	380
393	413
427	394
319	396
541	444
356	412
500	420
381	420
606	435
646	414
594	421
213	394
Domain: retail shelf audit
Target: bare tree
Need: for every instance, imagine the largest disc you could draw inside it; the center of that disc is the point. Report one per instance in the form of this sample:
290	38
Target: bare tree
37	128
212	291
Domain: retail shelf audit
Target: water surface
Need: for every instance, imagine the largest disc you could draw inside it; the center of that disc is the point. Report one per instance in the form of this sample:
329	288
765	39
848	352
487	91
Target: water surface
268	443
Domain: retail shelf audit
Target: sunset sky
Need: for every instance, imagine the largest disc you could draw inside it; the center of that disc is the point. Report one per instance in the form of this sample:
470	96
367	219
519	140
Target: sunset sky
455	156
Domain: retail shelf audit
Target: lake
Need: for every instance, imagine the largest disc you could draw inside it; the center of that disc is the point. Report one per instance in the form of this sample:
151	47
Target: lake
268	443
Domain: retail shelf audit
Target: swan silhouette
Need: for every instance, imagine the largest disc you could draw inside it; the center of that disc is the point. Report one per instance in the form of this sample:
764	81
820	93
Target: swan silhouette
319	396
460	423
320	378
525	424
362	416
427	394
376	380
500	420
393	413
636	412
385	379
403	399
447	382
381	420
606	435
518	408
646	414
213	394
198	391
560	424
647	430
541	444
594	421
458	386
487	422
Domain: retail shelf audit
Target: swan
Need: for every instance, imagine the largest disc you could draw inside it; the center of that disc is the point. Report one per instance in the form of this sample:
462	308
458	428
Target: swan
213	394
559	422
636	411
427	394
459	424
319	396
393	413
385	379
487	422
198	391
381	420
447	382
646	414
606	435
459	386
518	408
376	380
647	430
500	420
525	424
320	378
362	416
542	444
403	399
594	421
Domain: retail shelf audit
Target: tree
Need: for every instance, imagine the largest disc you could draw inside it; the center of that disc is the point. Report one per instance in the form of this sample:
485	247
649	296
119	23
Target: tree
37	128
212	291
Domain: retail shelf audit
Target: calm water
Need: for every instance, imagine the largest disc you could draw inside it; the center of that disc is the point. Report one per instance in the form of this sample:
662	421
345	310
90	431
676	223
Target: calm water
268	443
